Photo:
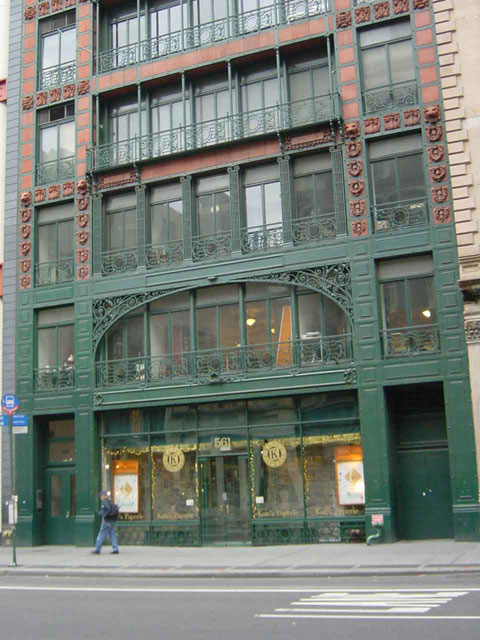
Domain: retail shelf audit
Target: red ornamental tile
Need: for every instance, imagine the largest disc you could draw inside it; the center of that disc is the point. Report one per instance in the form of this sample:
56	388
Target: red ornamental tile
352	129
362	14
354	149
82	186
83	220
436	153
355	168
83	87
41	99
25	248
441	215
54	191
438	172
69	91
43	8
432	113
25	215
68	188
70	3
358	208
25	265
359	227
400	6
83	272
82	203
440	194
55	95
434	134
83	254
356	187
29	13
411	117
381	10
420	4
83	237
344	19
372	125
25	231
25	282
57	5
391	121
26	198
40	195
27	103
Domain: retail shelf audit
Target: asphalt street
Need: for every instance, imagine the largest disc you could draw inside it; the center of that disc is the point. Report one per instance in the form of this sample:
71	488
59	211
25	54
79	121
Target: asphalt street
406	608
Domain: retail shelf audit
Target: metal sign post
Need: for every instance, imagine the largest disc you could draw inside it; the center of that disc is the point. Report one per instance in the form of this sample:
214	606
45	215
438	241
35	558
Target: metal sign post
10	405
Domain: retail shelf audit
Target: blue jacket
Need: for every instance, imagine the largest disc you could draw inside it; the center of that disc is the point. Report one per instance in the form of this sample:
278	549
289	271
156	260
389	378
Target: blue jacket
105	510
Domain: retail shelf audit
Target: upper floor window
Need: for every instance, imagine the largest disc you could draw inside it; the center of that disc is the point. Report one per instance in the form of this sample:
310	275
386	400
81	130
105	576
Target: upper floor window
260	88
56	143
57	50
124	119
213	204
308	75
124	26
121	221
408	306
263	205
54	262
387	66
166	226
55	348
398	183
314	204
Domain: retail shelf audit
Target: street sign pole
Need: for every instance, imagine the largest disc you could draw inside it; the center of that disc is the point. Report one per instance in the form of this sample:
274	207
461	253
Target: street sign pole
14	492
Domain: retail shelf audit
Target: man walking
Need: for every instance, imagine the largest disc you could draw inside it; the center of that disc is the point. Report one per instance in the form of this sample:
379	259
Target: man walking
106	528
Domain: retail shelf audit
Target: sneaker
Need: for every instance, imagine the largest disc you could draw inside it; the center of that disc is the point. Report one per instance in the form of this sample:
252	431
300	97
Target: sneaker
114	552
95	552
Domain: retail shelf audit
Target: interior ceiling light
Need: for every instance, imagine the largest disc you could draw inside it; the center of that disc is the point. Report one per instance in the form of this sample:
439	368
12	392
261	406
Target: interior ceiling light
251	322
427	313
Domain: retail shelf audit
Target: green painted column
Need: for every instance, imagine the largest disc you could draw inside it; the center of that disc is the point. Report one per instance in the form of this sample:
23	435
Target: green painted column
141	218
97	240
233	173
188	214
286	197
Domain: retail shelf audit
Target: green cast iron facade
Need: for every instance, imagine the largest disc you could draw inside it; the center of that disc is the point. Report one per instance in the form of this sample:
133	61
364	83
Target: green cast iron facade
341	265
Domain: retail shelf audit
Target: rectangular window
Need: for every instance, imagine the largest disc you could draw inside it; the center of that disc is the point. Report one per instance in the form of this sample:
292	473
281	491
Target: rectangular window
56	143
57	50
55	349
388	69
398	183
408	306
166	231
213	218
308	75
260	89
54	253
120	253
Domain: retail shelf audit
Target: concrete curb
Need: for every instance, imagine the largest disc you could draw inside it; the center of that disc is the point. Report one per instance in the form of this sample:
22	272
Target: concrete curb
111	572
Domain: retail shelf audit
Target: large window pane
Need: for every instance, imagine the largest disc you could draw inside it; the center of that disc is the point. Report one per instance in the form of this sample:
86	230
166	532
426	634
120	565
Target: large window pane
374	68
229	318
401	61
48	144
411	179
65	345
47	348
253	198
273	203
66	145
422	301
207	328
394	301
50	50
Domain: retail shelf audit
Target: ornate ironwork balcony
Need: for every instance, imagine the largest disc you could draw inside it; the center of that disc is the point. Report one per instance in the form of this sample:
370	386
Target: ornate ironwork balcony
312	351
48	273
119	261
401	215
211	246
206	34
261	238
164	255
228	128
392	96
53	378
55	170
411	341
56	76
314	228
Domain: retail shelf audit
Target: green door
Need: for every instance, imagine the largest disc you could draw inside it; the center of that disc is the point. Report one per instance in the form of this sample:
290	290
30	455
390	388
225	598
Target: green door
424	499
60	506
225	500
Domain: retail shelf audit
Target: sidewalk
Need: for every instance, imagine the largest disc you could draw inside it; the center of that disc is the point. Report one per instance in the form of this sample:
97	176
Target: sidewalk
322	560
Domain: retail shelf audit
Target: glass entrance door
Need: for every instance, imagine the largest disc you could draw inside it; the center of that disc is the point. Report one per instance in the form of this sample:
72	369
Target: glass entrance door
225	500
61	506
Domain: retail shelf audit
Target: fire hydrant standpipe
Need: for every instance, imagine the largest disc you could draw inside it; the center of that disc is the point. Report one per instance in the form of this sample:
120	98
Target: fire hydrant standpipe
375	536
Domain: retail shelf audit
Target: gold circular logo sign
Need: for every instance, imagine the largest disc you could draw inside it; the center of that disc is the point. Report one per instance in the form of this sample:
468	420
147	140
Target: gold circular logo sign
173	459
274	453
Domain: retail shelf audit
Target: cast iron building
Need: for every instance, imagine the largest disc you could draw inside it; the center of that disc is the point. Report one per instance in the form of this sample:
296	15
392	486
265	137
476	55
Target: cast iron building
238	304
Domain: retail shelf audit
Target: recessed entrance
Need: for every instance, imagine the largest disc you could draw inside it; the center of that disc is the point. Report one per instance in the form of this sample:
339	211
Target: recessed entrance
61	506
225	500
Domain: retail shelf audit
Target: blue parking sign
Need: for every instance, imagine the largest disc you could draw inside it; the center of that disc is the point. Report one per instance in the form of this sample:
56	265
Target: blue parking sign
9	403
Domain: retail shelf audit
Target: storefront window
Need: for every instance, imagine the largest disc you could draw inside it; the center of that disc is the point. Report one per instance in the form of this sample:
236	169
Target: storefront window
126	473
276	458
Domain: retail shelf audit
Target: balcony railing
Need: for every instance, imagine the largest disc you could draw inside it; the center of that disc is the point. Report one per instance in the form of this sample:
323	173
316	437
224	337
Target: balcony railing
119	261
211	246
56	76
411	341
55	170
164	255
210	33
309	353
228	128
398	216
56	272
392	96
53	379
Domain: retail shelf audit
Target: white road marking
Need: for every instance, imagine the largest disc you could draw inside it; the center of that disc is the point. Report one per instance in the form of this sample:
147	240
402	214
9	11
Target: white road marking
368	617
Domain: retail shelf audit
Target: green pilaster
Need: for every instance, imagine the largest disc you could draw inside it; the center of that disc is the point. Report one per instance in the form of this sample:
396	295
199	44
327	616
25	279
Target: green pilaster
141	217
97	239
188	215
286	196
233	173
339	190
